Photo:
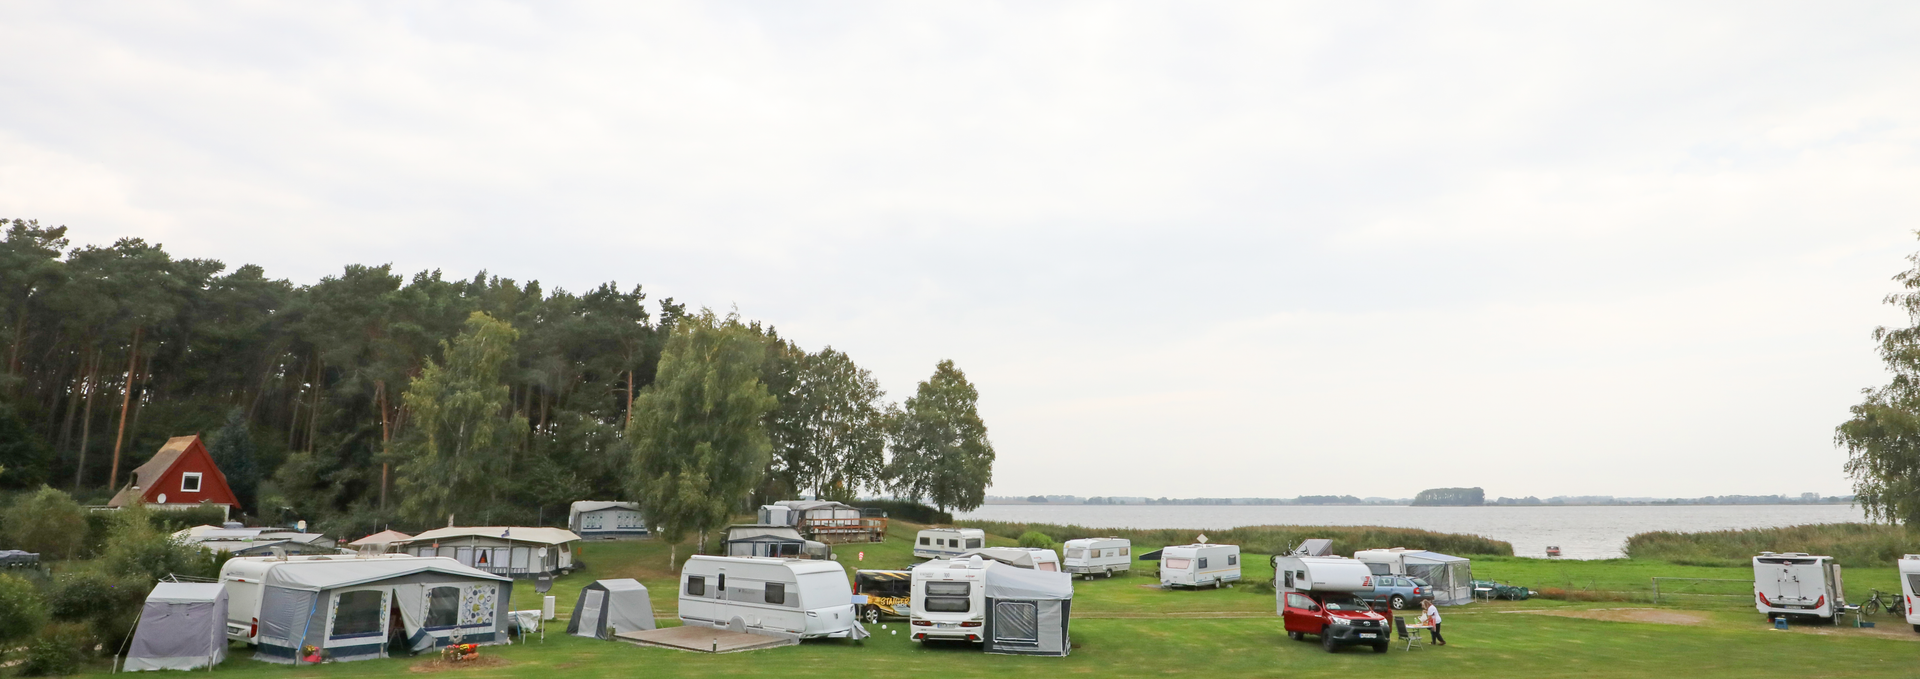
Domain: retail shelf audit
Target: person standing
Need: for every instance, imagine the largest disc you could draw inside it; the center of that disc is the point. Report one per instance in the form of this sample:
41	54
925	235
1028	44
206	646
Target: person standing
1433	620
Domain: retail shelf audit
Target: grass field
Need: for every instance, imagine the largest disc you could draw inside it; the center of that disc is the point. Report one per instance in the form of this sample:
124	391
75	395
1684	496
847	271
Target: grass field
1128	627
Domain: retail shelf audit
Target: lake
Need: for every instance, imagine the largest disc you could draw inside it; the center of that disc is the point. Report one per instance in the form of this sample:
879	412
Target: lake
1581	532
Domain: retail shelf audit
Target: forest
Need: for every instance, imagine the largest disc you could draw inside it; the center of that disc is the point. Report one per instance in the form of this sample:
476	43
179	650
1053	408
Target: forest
373	398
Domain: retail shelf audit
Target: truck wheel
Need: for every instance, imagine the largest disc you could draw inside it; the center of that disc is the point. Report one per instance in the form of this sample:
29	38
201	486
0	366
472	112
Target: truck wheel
1379	648
1327	642
871	614
1296	636
1916	628
1398	603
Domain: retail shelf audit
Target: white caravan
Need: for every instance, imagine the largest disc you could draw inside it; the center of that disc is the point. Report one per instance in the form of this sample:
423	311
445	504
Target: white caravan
1385	561
800	598
949	599
1910	587
243	578
1196	565
1090	556
946	543
1796	583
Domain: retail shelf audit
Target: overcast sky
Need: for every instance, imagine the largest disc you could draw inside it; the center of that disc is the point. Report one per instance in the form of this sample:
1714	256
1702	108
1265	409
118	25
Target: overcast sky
1183	249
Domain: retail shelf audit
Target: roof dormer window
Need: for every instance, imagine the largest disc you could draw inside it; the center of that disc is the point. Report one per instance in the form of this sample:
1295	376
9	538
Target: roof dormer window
190	482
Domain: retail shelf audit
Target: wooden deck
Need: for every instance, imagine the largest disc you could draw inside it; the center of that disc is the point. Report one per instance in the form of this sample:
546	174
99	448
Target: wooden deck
704	639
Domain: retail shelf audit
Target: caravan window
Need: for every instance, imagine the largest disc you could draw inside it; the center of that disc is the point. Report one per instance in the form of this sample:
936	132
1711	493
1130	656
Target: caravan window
443	607
949	597
1233	559
776	593
1203	563
923	540
1287	578
973	543
357	613
1076	553
1126	551
696	585
1177	564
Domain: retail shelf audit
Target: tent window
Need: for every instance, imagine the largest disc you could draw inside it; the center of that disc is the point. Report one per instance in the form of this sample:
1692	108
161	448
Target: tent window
443	607
776	593
1016	621
190	482
973	543
696	585
358	613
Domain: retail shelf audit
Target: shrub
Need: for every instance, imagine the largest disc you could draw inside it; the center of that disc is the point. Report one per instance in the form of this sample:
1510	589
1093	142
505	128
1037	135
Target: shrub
57	650
21	610
907	510
107	605
1036	539
48	522
1852	544
137	549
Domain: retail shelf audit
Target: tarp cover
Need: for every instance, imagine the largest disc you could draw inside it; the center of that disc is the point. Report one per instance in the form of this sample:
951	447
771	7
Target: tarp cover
1012	556
609	607
313	576
1032	585
182	626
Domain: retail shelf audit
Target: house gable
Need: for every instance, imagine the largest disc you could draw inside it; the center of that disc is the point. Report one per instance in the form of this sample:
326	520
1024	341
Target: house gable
173	485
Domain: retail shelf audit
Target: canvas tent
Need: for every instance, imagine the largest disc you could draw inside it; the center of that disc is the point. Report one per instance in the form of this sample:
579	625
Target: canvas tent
381	541
1451	576
182	626
517	551
343	606
1027	611
609	607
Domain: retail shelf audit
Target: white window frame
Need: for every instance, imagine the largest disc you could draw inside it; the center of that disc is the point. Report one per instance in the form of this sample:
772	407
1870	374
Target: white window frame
198	483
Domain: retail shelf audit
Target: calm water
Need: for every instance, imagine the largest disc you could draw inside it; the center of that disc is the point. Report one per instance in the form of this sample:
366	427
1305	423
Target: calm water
1598	532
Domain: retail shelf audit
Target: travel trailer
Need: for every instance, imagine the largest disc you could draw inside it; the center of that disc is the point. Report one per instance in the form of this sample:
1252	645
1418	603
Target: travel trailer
1314	595
946	543
343	605
1098	556
949	599
1910	587
1198	565
1797	584
794	598
826	521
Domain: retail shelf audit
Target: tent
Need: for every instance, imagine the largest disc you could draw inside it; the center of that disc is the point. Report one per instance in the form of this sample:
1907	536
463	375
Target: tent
343	606
381	541
182	626
1450	576
1027	611
609	607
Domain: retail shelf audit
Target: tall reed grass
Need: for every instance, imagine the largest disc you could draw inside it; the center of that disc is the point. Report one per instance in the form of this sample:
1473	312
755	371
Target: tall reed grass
1852	544
1268	539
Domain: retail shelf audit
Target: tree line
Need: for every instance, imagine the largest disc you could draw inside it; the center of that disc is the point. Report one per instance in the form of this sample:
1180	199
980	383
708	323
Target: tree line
372	398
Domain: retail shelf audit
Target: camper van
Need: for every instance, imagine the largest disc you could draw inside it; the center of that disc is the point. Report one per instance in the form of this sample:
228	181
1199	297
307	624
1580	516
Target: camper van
1910	587
949	599
1797	584
1098	556
946	543
1315	595
804	598
1197	565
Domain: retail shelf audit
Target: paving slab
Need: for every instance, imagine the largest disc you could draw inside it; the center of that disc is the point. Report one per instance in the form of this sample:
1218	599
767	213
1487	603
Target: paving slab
704	639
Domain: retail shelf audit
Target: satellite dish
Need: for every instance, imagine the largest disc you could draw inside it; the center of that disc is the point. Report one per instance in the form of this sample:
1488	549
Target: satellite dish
162	499
543	582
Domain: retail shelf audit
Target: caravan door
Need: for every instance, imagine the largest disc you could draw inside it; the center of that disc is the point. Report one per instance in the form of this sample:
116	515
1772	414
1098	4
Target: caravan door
723	611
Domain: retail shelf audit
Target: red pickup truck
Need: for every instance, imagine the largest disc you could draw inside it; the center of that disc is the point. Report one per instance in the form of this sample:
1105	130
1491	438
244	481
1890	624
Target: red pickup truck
1338	618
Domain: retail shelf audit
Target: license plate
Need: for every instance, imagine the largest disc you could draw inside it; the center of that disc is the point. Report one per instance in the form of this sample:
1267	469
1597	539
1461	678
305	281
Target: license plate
1367	635
944	625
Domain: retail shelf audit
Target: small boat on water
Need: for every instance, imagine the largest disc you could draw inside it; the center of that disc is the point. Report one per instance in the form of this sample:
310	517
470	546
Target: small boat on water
1553	551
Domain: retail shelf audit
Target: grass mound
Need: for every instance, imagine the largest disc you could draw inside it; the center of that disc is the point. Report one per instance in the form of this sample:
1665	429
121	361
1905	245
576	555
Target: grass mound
1853	544
1268	539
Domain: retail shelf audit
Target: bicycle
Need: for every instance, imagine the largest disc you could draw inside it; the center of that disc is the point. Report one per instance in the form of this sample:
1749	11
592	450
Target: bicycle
1874	603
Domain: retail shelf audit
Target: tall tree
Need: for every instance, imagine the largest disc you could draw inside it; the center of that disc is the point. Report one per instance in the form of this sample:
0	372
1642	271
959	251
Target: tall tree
698	444
940	448
829	431
236	455
1882	437
29	272
458	457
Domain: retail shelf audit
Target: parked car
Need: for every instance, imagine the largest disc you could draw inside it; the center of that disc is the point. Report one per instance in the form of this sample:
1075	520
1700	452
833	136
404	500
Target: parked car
1398	592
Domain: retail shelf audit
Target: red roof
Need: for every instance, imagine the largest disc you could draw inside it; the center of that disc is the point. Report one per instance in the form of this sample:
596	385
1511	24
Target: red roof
164	479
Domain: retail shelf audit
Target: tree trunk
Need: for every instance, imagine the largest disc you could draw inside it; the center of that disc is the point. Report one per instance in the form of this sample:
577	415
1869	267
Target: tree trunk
386	436
126	404
313	413
19	337
629	424
73	403
86	421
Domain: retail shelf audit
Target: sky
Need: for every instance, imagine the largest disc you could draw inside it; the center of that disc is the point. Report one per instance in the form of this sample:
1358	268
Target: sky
1183	249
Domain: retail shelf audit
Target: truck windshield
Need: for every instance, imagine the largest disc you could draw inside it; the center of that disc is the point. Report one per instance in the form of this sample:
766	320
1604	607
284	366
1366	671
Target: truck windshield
1342	602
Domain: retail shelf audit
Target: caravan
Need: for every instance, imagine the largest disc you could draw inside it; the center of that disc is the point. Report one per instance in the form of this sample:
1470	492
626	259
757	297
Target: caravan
1196	565
946	543
949	599
1796	583
347	607
776	597
1910	587
1090	556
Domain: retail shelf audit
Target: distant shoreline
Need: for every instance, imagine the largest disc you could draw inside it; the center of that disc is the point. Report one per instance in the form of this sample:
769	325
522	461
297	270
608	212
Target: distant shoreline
1014	503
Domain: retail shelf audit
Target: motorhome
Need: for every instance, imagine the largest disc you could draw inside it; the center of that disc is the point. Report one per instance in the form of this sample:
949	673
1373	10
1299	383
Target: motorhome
778	597
949	599
946	543
1797	584
1910	587
1098	556
1199	565
1315	595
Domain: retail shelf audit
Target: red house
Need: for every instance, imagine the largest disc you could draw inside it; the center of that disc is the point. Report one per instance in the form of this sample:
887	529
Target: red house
181	475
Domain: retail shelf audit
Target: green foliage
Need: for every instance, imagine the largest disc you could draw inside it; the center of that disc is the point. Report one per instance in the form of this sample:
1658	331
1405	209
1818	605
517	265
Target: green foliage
1267	539
458	458
48	522
1036	539
1450	497
140	552
58	650
698	444
24	457
235	454
828	432
1882	437
106	604
21	610
1857	545
940	448
906	510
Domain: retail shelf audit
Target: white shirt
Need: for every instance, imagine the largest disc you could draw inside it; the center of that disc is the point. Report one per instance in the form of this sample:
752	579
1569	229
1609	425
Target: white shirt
1433	614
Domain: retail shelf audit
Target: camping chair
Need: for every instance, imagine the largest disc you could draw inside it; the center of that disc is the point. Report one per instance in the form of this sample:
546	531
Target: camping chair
1411	635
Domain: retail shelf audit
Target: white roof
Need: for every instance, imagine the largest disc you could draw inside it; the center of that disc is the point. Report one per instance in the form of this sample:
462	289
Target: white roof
316	575
186	592
1084	542
549	536
621	585
1021	583
385	537
597	505
799	566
